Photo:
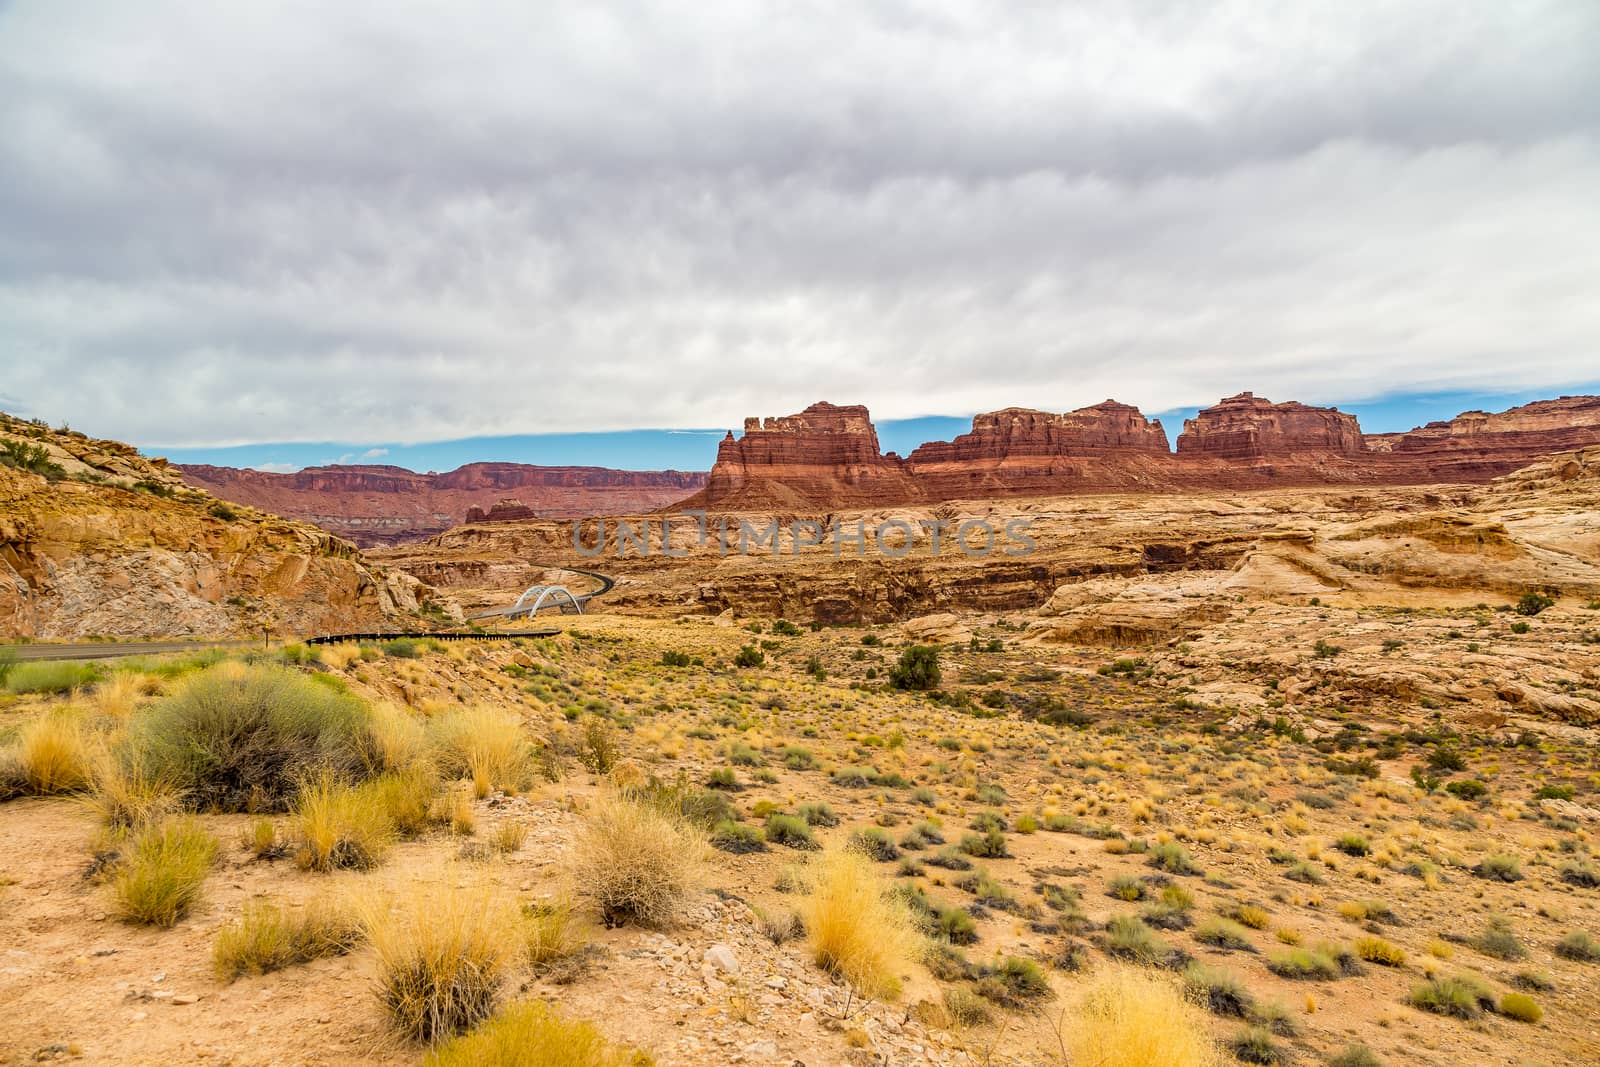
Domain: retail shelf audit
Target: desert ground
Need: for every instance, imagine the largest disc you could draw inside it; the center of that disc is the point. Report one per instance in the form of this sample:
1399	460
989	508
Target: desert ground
1323	791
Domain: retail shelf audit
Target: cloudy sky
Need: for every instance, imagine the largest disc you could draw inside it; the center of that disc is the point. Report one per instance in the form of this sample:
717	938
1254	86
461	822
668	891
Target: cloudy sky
402	222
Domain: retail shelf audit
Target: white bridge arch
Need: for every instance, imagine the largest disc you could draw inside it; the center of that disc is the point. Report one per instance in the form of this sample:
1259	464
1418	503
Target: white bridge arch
541	594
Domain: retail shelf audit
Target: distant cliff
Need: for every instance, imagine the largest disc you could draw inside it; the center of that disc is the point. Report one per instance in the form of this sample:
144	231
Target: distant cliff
827	456
380	505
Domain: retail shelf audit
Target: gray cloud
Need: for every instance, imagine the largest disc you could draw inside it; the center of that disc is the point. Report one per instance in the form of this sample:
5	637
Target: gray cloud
302	221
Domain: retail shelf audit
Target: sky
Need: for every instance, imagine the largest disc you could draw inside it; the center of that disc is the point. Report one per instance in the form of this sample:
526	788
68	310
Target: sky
421	230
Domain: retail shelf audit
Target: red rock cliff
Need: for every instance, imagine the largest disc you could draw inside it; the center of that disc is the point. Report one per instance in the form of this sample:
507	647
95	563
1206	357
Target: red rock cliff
381	504
1247	428
823	457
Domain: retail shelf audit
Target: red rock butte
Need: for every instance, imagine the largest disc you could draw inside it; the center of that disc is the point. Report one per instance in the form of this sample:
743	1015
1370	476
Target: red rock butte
828	456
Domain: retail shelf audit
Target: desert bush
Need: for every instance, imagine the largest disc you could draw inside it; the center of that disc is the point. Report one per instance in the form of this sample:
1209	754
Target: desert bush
407	796
267	938
1012	982
52	755
1221	993
532	1034
1250	915
1521	1007
443	955
1353	844
485	745
875	843
1581	874
749	656
1126	887
1377	950
401	648
1532	603
1127	937
552	933
790	830
1172	858
241	738
1304	963
49	676
1461	996
1256	1045
1497	939
917	669
126	793
1224	934
989	845
637	861
341	827
736	838
164	872
1579	945
965	1008
856	929
598	751
399	739
1355	1056
1500	867
1132	1018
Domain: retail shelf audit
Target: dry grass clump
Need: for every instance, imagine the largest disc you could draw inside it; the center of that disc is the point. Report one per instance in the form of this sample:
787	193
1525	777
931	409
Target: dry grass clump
1134	1018
241	737
553	933
443	955
127	793
637	861
399	739
407	796
269	938
117	696
52	755
165	869
341	826
856	928
485	745
531	1034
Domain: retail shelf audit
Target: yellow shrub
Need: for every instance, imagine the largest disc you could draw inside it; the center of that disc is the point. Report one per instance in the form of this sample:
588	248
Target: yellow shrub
398	736
116	696
52	754
341	826
856	930
531	1034
443	955
636	861
1133	1018
268	938
485	745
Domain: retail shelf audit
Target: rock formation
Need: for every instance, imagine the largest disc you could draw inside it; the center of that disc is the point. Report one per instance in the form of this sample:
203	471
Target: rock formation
823	457
827	457
1248	428
96	539
378	504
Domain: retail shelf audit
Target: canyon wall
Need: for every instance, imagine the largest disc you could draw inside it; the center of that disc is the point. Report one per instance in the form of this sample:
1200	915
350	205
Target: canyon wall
375	505
827	457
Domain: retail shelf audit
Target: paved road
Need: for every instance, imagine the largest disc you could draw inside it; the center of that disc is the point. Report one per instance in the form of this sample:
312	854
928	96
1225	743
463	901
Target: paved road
111	650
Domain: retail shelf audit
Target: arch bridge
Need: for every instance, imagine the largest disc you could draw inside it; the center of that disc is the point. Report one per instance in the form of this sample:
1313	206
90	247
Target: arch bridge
543	595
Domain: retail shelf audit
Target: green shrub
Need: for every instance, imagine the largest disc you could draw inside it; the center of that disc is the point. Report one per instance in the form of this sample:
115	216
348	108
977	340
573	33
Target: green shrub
1224	934
1355	1056
1462	996
749	656
242	738
672	658
1129	938
165	869
50	676
35	459
1256	1045
917	669
1172	858
1532	603
1500	868
736	838
1498	940
1579	945
1353	844
990	845
401	648
1220	992
875	842
1012	982
818	814
1304	963
790	830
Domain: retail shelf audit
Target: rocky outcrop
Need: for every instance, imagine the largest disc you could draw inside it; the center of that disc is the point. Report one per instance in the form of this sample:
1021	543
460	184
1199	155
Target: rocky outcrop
96	539
507	510
378	504
827	456
1019	451
1248	428
1477	445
